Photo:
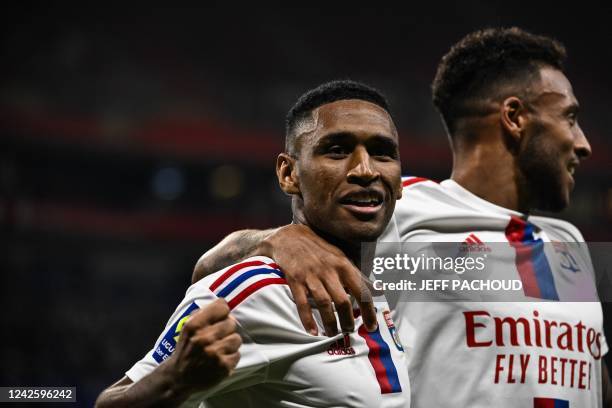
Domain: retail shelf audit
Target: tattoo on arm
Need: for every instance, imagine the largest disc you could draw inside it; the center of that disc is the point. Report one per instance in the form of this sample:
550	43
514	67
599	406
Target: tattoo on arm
236	246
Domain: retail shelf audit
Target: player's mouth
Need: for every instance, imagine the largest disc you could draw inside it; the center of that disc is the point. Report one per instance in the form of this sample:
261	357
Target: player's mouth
363	202
571	169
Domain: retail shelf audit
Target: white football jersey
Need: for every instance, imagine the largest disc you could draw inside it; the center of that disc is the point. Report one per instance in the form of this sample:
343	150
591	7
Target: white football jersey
281	365
544	353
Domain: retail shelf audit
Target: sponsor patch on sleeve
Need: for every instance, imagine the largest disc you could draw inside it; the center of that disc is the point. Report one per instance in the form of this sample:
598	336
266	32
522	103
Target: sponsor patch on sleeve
166	346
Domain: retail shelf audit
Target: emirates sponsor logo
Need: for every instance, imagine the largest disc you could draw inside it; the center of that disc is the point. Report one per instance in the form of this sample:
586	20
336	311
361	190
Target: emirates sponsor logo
484	330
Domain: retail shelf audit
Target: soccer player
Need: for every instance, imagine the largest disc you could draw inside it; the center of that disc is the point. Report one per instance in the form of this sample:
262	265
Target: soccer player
511	116
341	168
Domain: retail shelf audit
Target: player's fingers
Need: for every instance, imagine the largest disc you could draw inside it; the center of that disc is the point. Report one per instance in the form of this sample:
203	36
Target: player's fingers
219	366
214	312
357	286
325	306
342	302
231	361
231	343
222	354
209	334
368	314
227	345
304	310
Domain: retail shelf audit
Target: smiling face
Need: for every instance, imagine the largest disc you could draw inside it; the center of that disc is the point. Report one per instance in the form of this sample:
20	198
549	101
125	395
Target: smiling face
347	170
554	142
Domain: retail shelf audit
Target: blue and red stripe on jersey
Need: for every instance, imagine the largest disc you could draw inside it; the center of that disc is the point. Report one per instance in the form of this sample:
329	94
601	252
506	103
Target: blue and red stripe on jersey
239	273
550	403
380	358
531	262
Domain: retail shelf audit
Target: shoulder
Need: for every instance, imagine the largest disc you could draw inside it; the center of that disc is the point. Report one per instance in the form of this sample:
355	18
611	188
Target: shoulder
420	189
258	295
243	280
560	229
423	200
417	183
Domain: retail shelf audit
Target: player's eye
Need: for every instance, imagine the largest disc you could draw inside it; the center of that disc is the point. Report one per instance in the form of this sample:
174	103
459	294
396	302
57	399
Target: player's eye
572	118
337	151
383	152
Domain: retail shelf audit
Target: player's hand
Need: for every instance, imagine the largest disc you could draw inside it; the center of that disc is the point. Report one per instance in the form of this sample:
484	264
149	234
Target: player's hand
207	350
314	267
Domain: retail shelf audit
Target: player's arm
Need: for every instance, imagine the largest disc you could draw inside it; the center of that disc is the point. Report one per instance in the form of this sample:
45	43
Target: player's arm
236	246
206	353
312	267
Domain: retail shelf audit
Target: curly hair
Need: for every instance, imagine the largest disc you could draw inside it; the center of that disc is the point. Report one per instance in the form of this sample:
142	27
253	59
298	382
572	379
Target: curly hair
486	62
323	94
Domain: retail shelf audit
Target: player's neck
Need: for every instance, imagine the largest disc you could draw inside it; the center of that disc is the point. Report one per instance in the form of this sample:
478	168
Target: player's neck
352	250
488	171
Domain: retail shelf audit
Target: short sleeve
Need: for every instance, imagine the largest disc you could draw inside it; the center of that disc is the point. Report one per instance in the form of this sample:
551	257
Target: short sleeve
251	367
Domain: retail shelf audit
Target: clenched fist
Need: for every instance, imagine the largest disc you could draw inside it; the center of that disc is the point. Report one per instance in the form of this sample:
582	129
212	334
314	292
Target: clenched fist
207	350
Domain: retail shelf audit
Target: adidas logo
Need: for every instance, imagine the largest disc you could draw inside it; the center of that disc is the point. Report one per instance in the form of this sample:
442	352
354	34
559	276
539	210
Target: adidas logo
342	347
473	244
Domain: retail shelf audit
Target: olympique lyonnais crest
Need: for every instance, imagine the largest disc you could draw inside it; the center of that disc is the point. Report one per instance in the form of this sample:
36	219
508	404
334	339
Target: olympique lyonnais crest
567	260
393	330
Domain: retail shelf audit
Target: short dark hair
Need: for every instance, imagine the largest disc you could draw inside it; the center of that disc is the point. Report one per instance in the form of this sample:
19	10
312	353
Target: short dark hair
485	61
323	94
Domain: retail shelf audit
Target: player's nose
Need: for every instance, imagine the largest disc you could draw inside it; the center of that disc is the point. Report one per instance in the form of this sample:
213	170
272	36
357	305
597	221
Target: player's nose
361	169
582	147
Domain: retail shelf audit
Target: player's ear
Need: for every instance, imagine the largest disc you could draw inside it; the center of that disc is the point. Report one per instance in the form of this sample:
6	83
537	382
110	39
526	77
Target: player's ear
286	171
513	118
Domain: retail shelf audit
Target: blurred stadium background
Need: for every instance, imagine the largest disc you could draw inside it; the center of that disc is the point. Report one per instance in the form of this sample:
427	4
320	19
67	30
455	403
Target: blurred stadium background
133	139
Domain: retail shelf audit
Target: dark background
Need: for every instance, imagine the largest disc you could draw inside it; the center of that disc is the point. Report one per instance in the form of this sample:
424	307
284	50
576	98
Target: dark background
133	139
